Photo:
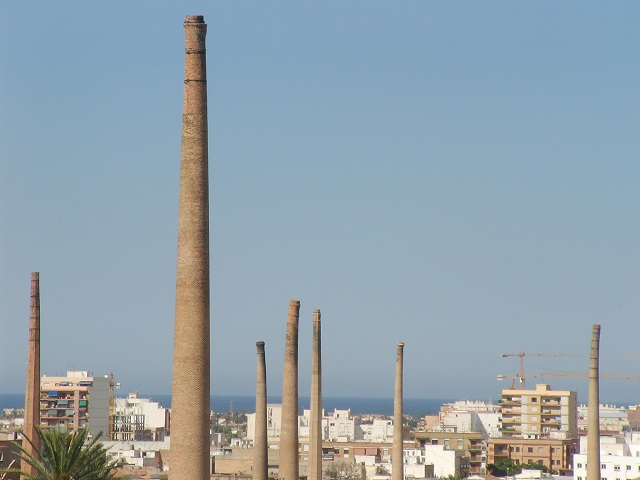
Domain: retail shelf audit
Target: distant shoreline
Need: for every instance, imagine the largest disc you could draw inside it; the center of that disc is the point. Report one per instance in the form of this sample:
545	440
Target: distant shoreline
246	403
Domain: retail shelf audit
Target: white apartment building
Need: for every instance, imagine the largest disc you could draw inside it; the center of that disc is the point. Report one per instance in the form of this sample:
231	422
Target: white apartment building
274	422
613	419
445	462
338	426
379	431
137	418
341	426
466	416
619	458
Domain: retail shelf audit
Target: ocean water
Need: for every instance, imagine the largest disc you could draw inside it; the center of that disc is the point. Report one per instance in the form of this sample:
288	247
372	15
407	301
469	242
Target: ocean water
246	403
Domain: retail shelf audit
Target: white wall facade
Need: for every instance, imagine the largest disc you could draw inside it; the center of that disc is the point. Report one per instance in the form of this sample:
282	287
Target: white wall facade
445	462
487	423
381	431
619	457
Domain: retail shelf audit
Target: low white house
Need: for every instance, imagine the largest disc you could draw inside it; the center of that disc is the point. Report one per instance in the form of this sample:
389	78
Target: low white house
445	462
619	458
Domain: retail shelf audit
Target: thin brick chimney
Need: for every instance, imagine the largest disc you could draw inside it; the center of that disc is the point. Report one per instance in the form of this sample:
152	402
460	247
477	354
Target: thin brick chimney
593	408
260	447
397	455
190	412
315	428
32	393
289	467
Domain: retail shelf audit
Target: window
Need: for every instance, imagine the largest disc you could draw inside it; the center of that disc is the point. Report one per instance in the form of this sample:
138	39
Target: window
603	466
530	449
616	468
459	444
628	467
578	465
539	449
446	443
517	449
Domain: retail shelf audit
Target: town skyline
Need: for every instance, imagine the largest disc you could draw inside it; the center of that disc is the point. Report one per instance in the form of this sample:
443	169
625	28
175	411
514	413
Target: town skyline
462	179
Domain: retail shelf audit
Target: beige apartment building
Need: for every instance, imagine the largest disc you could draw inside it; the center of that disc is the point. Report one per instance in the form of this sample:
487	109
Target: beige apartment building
76	401
538	426
556	454
539	413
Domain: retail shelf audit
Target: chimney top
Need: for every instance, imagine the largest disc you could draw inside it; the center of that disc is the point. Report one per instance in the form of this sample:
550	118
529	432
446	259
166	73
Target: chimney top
194	19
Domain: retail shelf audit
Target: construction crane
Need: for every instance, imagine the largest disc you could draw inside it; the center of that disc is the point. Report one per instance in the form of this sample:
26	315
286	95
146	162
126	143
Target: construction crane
112	384
612	376
524	354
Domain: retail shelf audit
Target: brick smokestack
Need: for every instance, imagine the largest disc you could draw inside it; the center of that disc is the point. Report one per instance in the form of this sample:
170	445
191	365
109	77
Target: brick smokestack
397	460
260	447
190	412
32	393
289	467
593	408
315	430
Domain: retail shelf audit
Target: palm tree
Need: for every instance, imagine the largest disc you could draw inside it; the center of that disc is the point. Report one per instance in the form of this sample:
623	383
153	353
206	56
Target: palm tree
65	455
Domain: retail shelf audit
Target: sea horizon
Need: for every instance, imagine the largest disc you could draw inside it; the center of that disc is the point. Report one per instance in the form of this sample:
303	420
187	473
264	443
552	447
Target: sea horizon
357	405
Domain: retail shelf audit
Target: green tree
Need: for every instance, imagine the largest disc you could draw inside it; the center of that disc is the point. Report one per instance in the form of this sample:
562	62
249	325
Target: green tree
506	466
65	455
503	467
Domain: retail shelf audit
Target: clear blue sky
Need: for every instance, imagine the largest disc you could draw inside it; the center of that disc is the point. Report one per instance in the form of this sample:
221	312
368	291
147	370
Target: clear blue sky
459	176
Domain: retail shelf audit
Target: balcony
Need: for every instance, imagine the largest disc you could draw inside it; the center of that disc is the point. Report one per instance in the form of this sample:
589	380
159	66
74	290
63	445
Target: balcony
550	421
509	411
516	420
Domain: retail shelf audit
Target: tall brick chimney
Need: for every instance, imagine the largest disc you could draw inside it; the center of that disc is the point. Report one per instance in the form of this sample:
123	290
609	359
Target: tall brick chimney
315	428
289	466
32	393
593	408
260	447
190	412
397	455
